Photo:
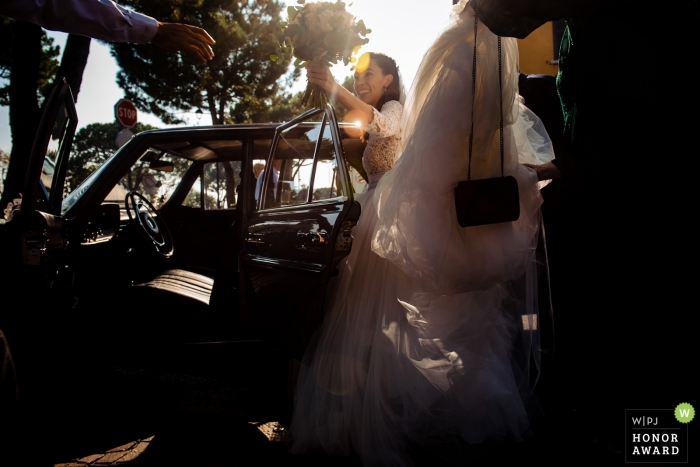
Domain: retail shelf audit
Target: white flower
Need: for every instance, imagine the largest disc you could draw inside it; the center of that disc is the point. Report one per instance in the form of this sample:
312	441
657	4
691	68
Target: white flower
348	19
313	23
325	20
309	9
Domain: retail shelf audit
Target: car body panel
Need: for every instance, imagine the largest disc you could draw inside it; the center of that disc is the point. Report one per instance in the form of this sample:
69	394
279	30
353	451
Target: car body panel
290	252
75	255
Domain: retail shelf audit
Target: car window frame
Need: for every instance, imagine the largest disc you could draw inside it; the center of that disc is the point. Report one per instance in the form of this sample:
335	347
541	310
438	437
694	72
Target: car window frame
329	121
59	96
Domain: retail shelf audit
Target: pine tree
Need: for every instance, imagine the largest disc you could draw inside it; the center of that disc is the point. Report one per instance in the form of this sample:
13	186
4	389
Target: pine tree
228	87
92	146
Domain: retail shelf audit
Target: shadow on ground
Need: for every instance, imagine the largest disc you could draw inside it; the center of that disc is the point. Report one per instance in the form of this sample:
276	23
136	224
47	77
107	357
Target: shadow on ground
203	409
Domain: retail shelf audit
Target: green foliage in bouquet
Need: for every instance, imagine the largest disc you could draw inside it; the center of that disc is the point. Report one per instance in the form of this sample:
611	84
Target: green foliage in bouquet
324	33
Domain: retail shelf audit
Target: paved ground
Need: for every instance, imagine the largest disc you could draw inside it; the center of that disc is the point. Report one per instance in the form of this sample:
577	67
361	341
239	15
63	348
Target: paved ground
199	413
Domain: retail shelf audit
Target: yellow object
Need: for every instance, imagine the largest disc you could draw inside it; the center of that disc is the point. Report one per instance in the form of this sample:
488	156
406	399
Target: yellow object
537	52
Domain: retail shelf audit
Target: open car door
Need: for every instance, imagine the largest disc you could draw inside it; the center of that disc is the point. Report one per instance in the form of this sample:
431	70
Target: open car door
298	233
35	273
37	232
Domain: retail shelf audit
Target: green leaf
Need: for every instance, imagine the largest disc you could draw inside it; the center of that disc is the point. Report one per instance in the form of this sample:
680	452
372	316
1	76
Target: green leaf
301	2
291	12
273	57
334	39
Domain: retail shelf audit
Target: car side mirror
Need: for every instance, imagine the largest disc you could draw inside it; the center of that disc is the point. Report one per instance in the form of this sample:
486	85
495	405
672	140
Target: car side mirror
161	166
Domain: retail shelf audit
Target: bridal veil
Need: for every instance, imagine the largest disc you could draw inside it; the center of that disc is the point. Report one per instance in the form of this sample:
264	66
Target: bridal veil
477	274
432	332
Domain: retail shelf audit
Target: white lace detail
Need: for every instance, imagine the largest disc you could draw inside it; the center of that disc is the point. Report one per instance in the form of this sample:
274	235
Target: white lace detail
384	145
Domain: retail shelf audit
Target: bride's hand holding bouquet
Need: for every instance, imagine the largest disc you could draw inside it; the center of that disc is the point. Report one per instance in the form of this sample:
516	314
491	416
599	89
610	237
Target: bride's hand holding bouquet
322	34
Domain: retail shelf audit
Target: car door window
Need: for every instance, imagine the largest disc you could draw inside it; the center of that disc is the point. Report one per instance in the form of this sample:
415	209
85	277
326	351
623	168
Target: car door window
304	168
326	180
194	197
56	146
221	180
289	181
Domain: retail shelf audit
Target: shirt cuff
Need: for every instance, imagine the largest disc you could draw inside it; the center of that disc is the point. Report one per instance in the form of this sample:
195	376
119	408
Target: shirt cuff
143	28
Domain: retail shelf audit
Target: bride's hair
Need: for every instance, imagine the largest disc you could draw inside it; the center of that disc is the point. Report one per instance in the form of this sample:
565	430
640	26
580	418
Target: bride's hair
388	67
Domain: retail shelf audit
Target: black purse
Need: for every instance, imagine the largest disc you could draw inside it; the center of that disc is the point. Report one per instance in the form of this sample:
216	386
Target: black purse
488	200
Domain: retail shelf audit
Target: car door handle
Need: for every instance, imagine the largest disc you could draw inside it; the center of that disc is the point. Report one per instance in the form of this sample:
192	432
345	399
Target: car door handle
316	236
256	239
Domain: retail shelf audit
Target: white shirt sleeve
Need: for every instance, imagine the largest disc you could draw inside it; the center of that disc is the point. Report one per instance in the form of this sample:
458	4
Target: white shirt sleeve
258	185
99	19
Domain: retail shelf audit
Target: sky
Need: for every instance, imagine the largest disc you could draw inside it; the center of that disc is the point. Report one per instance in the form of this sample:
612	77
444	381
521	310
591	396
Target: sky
402	29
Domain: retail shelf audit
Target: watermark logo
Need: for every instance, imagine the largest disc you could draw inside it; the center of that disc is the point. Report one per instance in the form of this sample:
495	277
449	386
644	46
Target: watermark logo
658	435
684	412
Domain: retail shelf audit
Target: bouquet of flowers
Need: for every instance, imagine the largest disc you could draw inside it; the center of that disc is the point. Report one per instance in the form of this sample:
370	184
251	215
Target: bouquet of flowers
322	32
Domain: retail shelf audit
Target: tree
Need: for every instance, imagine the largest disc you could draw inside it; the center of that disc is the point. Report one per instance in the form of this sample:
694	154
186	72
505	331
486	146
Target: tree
92	146
73	62
281	107
4	162
29	63
47	56
285	106
340	111
229	86
28	60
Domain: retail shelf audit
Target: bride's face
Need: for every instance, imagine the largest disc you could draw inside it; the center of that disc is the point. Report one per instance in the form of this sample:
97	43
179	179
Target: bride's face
370	83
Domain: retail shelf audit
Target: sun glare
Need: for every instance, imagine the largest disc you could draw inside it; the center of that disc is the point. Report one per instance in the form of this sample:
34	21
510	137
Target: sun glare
357	120
362	63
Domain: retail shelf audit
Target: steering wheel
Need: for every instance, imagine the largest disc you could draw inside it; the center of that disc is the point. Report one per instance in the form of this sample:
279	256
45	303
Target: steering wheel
149	224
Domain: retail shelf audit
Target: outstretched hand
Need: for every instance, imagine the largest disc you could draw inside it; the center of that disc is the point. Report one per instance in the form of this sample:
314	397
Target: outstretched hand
322	76
185	38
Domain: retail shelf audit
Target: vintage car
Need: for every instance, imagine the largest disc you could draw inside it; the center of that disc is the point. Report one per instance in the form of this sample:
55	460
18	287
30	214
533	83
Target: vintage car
166	243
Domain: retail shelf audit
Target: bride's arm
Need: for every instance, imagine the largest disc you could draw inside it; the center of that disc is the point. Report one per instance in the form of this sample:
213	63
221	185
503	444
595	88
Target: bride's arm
322	76
387	122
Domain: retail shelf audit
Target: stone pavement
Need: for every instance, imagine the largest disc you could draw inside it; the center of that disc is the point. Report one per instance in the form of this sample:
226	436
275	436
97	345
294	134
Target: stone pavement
183	415
157	416
117	456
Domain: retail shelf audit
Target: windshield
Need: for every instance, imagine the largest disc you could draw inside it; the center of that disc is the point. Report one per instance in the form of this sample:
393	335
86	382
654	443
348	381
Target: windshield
155	175
96	170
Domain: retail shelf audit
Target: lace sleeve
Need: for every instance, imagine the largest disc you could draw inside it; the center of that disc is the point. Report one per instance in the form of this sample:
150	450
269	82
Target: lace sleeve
387	122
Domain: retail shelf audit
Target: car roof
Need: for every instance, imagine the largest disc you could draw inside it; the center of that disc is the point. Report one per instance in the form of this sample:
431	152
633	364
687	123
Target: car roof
212	142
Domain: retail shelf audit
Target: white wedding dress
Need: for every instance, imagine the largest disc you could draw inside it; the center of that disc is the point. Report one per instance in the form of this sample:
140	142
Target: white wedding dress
431	328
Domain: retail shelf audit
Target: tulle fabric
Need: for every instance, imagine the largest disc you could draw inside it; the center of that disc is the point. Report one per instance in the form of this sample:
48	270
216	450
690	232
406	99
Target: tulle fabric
393	368
431	328
417	228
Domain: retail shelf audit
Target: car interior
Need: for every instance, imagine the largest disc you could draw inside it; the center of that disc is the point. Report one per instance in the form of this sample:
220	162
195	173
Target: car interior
165	239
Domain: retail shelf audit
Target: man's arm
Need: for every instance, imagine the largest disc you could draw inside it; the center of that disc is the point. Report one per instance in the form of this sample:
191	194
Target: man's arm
99	19
107	21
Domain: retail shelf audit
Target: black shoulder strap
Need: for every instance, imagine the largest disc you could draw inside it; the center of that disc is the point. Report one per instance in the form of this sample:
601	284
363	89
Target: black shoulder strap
500	87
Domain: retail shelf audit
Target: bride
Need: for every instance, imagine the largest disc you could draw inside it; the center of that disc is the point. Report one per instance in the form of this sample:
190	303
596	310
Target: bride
432	328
